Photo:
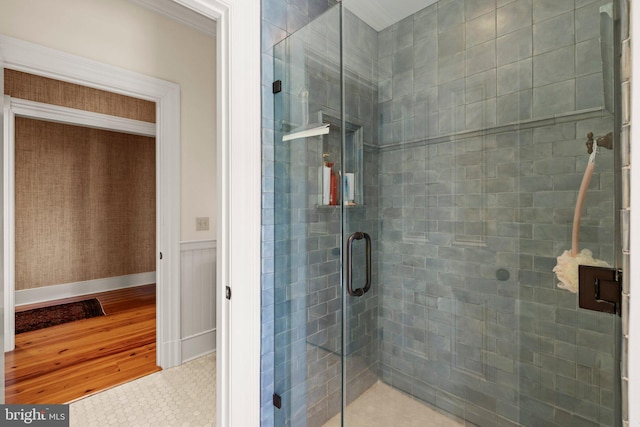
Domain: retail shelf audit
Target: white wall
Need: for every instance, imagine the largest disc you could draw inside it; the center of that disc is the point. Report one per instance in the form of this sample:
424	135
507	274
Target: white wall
120	33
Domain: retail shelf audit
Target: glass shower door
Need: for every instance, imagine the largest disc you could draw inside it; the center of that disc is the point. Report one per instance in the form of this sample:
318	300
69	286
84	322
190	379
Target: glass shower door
426	177
308	225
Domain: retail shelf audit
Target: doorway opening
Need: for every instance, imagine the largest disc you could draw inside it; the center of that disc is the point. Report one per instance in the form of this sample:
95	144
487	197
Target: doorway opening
37	60
80	207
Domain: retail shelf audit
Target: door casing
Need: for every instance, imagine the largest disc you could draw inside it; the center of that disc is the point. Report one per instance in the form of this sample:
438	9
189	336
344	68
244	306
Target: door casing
34	59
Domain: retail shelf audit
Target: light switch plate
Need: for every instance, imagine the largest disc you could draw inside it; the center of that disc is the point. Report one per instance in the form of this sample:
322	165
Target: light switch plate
202	223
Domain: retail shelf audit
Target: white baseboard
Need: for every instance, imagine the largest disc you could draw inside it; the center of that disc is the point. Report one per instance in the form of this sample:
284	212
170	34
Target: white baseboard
198	345
49	293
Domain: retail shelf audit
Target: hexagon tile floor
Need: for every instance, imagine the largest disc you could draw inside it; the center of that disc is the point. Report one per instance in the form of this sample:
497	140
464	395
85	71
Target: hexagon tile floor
184	396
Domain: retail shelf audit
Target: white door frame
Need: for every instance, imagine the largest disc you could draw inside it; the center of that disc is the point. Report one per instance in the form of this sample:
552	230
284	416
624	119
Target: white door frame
3	237
238	191
31	58
238	186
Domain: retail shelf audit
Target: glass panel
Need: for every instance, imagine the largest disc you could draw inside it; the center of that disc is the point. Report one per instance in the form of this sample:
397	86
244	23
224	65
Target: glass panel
308	303
360	216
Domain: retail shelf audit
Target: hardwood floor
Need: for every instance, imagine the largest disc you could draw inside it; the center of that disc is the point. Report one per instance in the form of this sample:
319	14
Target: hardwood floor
66	362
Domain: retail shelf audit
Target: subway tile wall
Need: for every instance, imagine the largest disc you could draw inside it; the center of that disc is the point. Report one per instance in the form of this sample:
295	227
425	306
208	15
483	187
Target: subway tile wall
471	319
484	109
458	66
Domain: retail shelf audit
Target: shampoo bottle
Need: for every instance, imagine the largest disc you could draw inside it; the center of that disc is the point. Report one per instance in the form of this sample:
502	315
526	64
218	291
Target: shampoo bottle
333	192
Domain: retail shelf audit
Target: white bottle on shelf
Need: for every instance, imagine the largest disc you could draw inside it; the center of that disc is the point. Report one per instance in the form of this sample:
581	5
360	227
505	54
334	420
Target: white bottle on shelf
326	180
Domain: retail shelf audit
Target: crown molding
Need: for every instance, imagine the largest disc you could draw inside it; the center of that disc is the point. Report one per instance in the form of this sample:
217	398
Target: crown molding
180	14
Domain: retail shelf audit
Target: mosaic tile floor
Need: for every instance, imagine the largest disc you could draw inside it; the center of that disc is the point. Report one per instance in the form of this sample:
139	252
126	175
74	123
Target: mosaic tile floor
182	396
185	396
383	406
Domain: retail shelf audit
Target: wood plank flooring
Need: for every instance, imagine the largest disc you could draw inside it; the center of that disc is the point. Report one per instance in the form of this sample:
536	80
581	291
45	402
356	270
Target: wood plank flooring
63	363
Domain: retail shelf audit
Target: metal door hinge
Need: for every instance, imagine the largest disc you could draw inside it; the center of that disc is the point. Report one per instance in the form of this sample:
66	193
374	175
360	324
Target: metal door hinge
600	288
277	400
228	292
276	87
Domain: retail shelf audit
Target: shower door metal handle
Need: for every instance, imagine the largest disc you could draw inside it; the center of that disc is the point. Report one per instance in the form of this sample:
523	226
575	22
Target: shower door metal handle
358	235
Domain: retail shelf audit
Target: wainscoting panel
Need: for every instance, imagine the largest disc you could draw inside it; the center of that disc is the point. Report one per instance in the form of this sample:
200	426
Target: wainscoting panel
198	298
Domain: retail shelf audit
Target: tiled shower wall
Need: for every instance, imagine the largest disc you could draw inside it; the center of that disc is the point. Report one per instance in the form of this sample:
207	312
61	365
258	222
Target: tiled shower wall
484	110
471	318
467	65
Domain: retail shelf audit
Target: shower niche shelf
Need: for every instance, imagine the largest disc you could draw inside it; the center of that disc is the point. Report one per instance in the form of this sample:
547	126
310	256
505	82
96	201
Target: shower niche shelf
330	208
347	187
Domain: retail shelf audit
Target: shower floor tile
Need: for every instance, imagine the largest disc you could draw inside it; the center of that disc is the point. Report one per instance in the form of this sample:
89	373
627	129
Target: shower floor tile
383	406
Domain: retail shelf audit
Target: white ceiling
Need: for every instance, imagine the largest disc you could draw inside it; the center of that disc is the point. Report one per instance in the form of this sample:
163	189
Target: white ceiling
181	14
379	14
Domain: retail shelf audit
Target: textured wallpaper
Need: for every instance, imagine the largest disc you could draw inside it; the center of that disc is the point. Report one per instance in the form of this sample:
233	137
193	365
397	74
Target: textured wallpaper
85	204
41	89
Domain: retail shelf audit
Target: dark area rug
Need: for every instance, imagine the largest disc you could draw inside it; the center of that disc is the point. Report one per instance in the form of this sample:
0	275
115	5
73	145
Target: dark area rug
40	318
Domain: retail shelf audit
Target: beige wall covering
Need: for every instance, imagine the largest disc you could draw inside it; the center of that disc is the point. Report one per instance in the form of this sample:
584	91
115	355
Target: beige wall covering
120	33
41	89
85	203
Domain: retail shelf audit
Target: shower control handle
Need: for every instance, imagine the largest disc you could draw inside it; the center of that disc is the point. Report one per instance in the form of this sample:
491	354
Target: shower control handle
358	235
